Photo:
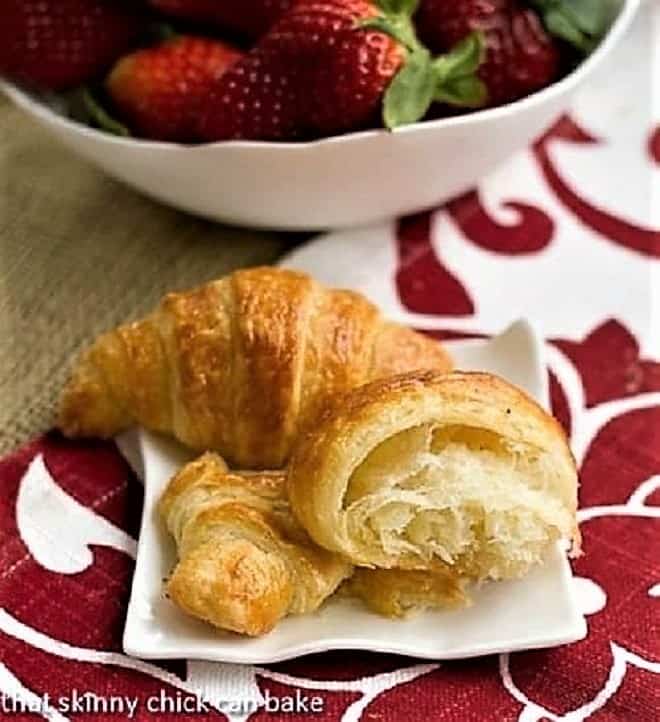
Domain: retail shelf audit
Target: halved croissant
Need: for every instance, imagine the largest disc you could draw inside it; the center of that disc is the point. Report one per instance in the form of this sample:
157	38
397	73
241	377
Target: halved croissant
425	471
244	561
239	365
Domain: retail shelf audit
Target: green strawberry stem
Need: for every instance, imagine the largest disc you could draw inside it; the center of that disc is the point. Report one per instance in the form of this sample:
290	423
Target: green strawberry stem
423	79
581	23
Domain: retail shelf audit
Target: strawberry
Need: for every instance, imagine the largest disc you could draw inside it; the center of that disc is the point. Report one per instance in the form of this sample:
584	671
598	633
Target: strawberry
521	57
332	66
250	18
58	44
158	91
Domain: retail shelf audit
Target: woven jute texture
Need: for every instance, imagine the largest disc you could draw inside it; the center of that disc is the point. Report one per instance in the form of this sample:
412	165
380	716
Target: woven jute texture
80	253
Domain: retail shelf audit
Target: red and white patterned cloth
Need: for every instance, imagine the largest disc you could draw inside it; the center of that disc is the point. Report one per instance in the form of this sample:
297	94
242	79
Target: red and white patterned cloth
566	235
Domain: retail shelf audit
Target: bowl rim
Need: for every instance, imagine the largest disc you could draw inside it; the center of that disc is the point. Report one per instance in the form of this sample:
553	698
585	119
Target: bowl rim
26	101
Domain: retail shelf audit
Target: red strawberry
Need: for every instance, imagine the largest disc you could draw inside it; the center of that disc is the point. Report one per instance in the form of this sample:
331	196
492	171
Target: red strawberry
158	91
332	66
58	44
250	18
521	57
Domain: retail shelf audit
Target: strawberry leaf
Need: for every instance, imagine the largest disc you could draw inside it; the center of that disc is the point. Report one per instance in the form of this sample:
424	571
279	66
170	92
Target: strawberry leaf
398	7
98	116
464	59
410	93
559	25
593	17
581	23
450	78
467	92
456	74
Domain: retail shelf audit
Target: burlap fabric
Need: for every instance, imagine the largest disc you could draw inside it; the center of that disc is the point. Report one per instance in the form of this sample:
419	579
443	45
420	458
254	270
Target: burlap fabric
79	253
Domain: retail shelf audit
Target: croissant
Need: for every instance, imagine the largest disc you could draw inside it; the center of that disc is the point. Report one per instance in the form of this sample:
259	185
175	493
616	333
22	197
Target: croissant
429	471
239	365
398	593
244	561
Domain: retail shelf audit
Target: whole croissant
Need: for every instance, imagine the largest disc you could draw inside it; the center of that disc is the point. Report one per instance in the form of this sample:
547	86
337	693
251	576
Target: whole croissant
244	561
458	471
239	365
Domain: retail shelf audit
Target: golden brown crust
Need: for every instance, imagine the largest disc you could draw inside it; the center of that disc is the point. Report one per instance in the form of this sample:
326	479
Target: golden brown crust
244	561
235	587
194	329
271	315
239	365
397	593
326	461
399	349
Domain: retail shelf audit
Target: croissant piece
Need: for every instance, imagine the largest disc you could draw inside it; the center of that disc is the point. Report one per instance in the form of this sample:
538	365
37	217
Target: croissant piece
239	365
429	471
244	561
398	593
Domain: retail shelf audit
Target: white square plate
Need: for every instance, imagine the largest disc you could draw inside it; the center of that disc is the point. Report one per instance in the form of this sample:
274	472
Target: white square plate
537	611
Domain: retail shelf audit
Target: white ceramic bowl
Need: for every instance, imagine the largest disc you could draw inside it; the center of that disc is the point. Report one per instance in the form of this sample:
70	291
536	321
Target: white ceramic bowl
341	181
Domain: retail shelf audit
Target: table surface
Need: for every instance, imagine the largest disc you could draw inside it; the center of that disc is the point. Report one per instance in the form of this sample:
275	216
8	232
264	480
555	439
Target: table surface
95	253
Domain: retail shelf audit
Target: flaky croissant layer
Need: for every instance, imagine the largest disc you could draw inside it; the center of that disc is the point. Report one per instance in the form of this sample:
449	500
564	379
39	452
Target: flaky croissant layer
239	365
427	471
